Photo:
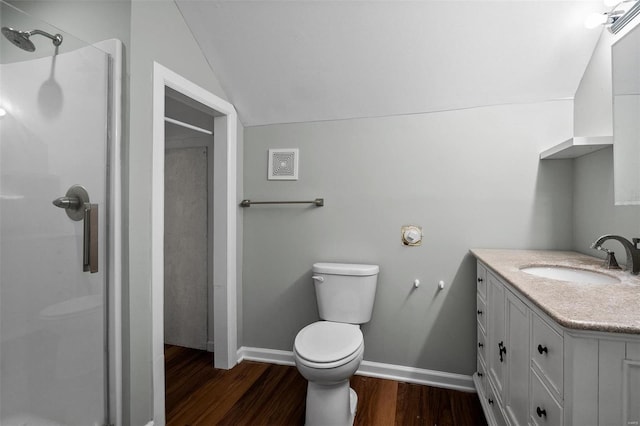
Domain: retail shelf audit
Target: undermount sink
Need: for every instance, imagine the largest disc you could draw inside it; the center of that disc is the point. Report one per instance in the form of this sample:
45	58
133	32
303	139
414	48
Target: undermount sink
578	276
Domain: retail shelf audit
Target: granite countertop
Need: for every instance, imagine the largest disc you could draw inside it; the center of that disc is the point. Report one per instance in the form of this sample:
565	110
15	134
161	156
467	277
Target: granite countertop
611	308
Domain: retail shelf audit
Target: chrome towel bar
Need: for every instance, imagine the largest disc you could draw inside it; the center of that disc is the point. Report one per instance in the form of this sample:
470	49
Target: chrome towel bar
319	202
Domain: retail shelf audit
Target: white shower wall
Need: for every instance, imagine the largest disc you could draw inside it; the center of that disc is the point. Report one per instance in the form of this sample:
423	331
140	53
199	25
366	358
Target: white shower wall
51	312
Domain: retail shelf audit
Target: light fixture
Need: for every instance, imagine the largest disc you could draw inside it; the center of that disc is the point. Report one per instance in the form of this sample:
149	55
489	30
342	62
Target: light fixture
595	20
607	18
627	16
623	12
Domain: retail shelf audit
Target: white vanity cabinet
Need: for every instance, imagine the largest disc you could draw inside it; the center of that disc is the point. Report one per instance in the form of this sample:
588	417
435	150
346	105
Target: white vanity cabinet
532	371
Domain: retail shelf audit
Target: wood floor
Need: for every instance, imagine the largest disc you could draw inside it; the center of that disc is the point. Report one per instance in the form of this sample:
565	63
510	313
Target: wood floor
254	393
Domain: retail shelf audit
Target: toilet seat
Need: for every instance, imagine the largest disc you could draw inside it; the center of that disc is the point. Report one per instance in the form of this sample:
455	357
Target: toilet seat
327	344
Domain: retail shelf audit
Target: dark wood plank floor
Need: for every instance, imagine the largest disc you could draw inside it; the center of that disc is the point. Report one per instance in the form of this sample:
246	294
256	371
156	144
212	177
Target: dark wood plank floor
254	393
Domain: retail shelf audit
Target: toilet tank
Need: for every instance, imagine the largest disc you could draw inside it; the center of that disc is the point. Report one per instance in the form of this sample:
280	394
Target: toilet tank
345	291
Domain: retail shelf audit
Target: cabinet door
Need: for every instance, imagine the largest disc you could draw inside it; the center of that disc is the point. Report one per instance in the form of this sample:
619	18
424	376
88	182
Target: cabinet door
495	331
516	396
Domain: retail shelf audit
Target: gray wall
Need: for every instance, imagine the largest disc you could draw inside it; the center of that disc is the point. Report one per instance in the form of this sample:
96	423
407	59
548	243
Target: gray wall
470	178
594	211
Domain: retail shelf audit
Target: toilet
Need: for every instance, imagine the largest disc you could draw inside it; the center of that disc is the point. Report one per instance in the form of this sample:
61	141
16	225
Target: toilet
328	352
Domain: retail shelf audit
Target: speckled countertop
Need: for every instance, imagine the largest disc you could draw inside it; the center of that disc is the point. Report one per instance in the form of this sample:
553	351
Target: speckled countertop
611	308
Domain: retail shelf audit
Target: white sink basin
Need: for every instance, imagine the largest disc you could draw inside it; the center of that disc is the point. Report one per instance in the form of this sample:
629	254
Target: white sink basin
578	276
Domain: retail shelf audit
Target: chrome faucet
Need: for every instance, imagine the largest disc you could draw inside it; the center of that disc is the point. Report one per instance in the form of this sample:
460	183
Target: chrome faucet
633	252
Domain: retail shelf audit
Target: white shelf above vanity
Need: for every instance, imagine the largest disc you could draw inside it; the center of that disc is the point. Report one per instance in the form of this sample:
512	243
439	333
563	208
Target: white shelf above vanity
576	146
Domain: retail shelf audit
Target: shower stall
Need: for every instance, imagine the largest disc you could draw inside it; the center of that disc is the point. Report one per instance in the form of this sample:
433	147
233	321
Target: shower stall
58	285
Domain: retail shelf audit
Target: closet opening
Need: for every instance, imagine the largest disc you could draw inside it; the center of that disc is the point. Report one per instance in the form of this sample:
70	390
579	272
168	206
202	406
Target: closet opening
188	223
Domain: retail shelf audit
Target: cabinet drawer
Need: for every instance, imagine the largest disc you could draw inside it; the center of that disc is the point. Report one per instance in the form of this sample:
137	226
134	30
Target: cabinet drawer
544	409
482	345
482	375
481	313
481	280
547	353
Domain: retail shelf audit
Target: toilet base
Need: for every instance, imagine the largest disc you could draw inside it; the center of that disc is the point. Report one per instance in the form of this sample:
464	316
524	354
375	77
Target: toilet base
330	404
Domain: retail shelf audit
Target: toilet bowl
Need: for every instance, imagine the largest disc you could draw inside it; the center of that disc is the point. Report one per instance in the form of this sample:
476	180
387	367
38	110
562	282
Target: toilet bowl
327	354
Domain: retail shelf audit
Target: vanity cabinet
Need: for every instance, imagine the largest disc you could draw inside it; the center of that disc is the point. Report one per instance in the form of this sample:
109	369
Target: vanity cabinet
532	371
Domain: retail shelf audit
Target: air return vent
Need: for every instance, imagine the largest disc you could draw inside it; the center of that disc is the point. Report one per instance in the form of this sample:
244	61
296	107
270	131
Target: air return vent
283	164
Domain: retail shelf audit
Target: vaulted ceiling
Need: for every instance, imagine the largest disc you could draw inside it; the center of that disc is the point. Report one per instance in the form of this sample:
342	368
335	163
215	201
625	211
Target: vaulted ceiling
293	61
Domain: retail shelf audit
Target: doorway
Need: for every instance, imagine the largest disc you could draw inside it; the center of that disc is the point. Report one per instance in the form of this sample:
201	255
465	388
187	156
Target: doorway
224	197
188	225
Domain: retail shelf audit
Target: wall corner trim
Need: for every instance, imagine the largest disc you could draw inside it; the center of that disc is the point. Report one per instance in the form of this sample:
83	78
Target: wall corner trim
379	370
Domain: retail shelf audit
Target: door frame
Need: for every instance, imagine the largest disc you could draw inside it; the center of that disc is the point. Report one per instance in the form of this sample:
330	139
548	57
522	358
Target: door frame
224	222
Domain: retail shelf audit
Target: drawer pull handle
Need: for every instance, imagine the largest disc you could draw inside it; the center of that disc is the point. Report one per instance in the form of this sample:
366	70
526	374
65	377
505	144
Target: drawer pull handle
479	312
480	280
542	350
502	351
540	412
481	345
490	401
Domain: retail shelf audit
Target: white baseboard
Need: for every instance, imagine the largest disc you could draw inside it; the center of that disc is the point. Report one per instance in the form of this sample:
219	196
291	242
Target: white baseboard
272	356
380	370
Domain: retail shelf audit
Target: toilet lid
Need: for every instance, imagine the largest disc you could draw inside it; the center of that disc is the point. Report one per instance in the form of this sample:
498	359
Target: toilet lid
326	341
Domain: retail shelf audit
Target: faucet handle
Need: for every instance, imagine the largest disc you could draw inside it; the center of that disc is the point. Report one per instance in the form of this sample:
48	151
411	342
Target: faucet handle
635	241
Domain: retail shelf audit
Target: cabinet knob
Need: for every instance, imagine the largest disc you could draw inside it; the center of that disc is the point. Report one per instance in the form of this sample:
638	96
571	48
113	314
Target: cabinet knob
479	312
542	350
480	280
480	374
490	401
541	412
481	345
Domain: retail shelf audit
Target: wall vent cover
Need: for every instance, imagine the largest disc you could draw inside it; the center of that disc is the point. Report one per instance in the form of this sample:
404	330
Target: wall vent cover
283	164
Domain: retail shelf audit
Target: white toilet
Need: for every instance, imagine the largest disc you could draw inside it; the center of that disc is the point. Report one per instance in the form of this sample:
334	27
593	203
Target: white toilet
327	353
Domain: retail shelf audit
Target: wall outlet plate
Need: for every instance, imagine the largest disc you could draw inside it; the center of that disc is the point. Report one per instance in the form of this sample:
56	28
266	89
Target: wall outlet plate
411	235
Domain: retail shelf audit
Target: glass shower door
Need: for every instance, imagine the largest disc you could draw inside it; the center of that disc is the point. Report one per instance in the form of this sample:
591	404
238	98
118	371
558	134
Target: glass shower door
53	135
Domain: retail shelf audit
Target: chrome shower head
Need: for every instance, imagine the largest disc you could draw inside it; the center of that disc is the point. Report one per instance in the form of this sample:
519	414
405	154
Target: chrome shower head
21	38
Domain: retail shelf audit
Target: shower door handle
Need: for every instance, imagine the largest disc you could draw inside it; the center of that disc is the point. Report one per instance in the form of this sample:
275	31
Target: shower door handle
76	204
90	239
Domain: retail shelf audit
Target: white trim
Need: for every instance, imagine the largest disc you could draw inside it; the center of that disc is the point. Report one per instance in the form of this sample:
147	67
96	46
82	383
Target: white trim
379	370
224	257
113	47
271	356
420	376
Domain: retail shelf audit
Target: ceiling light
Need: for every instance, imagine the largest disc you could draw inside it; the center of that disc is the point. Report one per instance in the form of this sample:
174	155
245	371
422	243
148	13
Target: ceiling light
623	11
607	18
595	20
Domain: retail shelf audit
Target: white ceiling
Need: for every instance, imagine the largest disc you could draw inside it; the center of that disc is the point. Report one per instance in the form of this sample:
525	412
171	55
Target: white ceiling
293	61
